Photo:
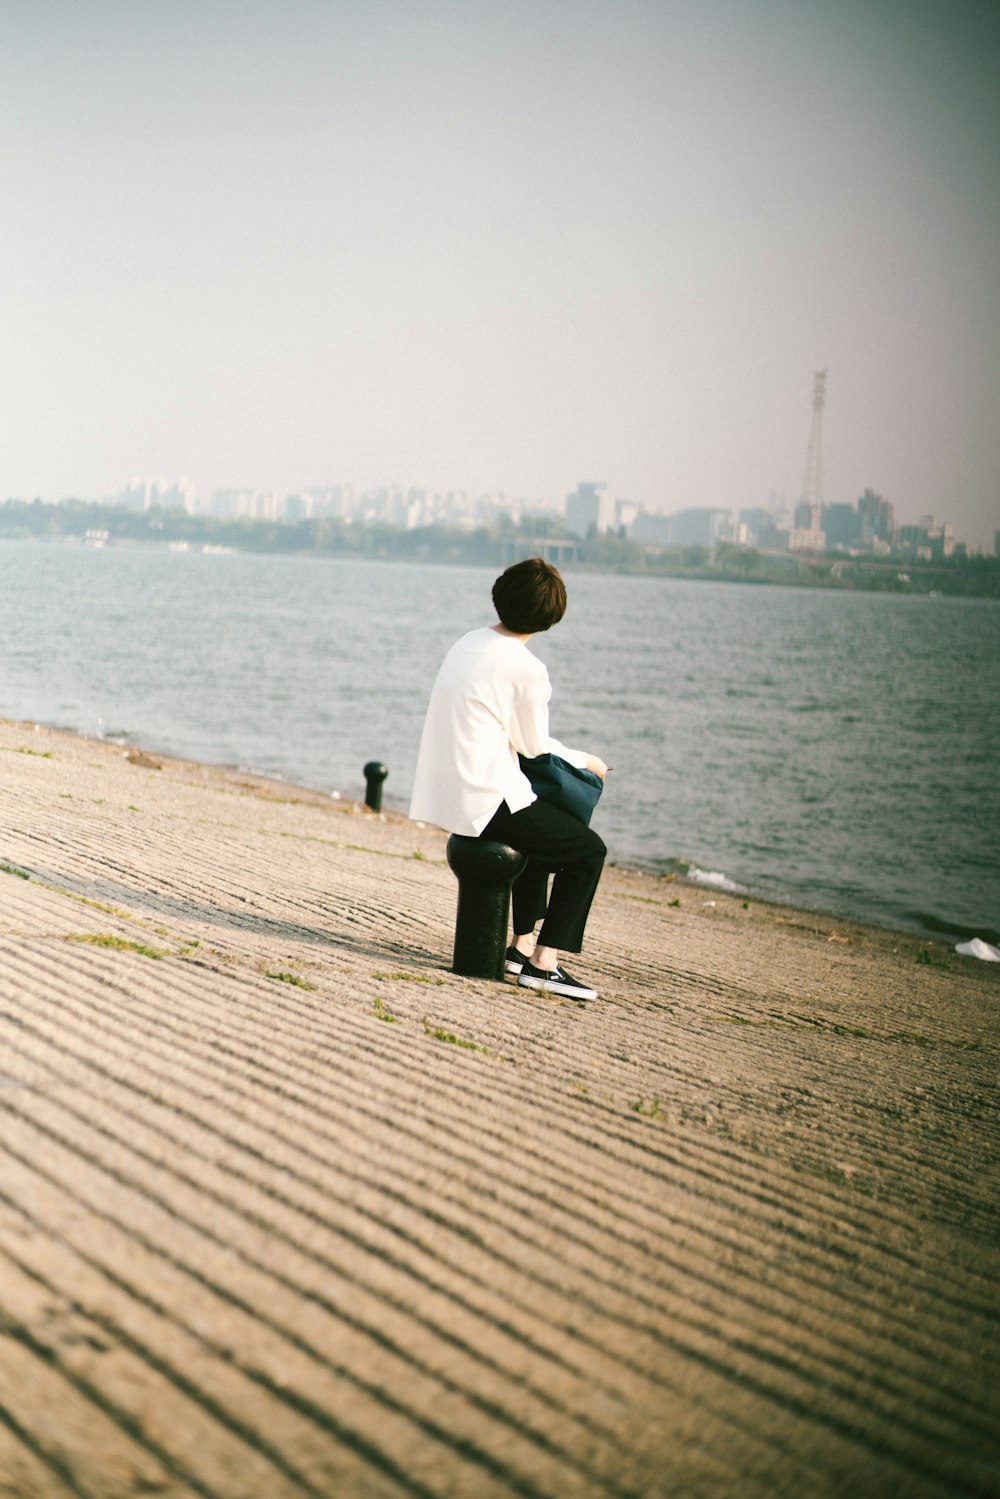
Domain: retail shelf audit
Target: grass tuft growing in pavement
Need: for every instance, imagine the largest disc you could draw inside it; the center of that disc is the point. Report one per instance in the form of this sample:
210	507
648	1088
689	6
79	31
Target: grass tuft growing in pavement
408	978
648	1108
450	1039
119	944
931	960
291	978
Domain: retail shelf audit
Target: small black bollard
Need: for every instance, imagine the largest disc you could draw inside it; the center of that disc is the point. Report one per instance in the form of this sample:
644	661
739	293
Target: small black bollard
485	873
375	773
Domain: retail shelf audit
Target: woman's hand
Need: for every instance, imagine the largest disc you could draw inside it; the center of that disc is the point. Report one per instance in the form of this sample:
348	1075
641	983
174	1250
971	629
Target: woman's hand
597	766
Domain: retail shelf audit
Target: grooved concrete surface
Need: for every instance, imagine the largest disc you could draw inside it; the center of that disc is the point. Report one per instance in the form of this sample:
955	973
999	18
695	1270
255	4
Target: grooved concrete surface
289	1209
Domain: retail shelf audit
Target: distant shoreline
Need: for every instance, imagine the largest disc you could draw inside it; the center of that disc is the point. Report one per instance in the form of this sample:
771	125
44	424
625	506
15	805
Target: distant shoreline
82	523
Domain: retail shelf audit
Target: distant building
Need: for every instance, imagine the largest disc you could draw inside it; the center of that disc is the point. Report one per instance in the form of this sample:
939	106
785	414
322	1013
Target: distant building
157	494
701	527
652	530
270	507
913	543
625	514
876	522
134	496
590	506
842	525
807	534
777	508
808	516
940	537
806	539
757	523
233	504
554	549
758	527
698	527
335	501
928	541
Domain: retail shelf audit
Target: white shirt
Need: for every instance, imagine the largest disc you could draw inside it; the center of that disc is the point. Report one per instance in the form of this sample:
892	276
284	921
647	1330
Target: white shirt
489	703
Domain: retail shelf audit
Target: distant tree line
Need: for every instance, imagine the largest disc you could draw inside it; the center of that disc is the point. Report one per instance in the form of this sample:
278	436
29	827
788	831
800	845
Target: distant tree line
973	577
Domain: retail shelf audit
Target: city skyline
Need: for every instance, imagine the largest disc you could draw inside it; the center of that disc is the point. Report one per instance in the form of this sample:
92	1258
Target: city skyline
869	526
496	250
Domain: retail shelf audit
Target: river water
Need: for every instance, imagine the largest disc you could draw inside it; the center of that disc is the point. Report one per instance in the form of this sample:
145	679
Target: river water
836	751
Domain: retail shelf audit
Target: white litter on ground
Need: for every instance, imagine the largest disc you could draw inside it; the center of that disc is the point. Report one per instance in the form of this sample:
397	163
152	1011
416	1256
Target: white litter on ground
977	948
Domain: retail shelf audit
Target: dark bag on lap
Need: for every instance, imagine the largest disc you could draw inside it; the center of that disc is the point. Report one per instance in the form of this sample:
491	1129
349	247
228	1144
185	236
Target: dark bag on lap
554	780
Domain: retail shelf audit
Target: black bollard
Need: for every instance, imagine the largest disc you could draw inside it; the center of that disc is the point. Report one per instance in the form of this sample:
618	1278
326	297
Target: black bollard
485	873
375	773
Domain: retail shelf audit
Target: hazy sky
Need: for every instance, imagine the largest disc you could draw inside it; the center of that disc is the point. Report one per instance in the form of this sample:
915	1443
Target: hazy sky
503	245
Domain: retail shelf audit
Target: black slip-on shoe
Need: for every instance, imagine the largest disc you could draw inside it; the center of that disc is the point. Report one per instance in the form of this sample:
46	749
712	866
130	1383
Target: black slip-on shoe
554	981
514	960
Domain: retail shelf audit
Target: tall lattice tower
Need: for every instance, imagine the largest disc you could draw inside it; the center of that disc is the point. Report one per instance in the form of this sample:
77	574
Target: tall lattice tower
812	484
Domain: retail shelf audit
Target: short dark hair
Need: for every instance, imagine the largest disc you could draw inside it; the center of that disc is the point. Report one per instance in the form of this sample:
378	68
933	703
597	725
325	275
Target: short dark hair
529	597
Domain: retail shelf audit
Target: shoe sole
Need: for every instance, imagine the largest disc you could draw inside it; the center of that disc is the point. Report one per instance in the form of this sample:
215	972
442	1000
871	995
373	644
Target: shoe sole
566	991
510	967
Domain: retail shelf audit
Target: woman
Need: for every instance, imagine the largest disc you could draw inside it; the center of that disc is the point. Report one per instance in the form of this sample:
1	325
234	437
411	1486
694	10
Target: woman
490	703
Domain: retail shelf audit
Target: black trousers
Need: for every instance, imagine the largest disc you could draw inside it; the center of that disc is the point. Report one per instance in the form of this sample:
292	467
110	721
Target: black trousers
555	843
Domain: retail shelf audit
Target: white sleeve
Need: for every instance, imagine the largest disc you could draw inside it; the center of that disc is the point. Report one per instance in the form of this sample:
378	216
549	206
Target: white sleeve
529	720
574	756
528	728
